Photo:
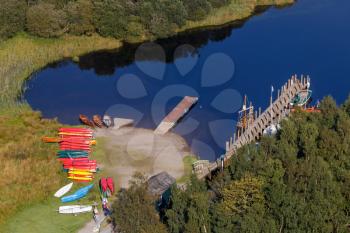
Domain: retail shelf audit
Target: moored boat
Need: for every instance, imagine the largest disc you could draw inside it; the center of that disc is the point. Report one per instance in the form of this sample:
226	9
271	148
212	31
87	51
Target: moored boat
301	98
97	121
85	120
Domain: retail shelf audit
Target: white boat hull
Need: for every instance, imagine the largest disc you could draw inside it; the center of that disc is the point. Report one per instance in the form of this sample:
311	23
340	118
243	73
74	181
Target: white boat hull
74	209
65	189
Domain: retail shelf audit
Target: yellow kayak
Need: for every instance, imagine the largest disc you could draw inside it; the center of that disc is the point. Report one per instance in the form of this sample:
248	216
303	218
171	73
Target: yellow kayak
80	178
82	170
82	173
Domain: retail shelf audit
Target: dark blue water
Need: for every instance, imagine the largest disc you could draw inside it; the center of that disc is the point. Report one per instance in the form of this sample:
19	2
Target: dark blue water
311	37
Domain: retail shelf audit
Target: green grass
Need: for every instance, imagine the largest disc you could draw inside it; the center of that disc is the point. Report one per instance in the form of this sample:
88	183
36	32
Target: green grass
188	161
43	218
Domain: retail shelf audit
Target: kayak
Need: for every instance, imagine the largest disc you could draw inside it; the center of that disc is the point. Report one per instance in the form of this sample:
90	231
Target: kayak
79	163
82	170
85	120
74	209
103	185
89	167
80	193
110	184
79	172
75	130
65	189
86	135
80	179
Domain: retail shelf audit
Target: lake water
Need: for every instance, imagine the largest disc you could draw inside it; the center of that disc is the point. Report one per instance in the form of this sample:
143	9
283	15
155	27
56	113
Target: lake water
219	65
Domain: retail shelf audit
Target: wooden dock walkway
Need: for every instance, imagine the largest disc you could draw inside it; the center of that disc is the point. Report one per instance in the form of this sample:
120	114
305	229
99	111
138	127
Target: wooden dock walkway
175	115
272	115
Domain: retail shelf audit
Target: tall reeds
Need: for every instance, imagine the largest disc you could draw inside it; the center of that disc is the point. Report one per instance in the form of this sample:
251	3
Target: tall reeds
23	55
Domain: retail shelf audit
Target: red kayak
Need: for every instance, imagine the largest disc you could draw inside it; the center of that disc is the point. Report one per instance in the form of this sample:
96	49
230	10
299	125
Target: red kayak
75	130
104	185
110	184
72	160
81	167
83	163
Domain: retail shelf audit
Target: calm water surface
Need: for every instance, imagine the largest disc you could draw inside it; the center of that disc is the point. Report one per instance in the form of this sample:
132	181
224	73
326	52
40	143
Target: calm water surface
311	37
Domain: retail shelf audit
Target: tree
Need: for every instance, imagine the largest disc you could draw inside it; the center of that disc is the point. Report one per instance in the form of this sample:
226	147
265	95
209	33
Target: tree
80	17
111	18
12	17
45	20
134	209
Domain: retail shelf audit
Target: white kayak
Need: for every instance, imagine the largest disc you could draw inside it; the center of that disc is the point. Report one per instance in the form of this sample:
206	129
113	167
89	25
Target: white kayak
74	209
65	189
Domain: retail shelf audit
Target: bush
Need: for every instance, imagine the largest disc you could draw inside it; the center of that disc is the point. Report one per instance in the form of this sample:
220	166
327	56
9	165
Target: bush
45	20
110	18
80	17
12	17
197	9
219	3
161	18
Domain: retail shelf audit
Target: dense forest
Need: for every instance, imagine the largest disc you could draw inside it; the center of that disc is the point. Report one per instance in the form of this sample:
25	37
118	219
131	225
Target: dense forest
298	181
122	19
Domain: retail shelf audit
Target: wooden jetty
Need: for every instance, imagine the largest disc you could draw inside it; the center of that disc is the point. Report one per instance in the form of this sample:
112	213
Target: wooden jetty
175	115
252	130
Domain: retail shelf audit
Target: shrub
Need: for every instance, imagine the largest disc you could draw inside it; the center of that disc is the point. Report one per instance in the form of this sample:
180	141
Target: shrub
80	17
45	20
12	17
219	3
197	9
110	18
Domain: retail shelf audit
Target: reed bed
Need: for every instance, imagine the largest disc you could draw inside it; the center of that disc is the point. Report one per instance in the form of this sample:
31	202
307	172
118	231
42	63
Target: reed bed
23	55
236	10
28	168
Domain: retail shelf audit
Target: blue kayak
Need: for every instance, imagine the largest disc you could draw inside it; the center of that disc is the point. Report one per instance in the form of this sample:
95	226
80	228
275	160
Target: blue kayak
80	193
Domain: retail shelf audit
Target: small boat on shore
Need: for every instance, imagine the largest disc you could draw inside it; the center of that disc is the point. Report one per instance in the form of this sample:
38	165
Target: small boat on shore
74	209
85	120
65	189
107	120
80	193
97	121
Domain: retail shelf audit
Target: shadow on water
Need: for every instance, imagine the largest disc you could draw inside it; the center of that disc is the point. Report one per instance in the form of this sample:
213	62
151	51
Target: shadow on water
106	62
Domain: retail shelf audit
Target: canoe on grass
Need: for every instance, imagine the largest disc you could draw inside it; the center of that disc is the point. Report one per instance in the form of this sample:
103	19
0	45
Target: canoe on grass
74	209
103	185
82	170
110	184
85	130
84	167
65	189
80	193
80	179
79	172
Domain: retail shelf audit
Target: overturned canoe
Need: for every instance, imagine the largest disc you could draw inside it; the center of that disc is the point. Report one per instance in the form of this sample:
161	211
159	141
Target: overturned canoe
65	189
80	193
110	184
74	209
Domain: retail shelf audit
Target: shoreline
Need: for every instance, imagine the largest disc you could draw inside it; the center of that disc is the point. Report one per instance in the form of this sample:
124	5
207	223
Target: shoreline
24	55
